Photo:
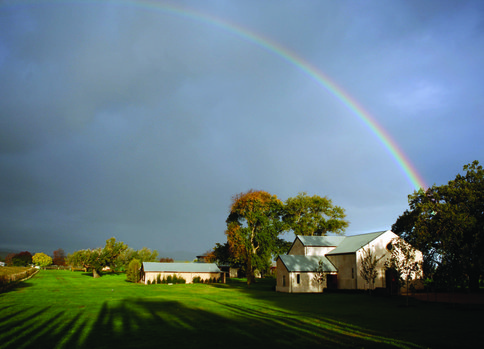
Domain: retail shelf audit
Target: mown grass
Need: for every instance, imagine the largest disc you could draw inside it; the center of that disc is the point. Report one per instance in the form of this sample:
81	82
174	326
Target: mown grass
64	309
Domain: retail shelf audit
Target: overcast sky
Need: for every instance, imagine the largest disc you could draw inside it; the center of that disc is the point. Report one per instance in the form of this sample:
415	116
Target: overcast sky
131	120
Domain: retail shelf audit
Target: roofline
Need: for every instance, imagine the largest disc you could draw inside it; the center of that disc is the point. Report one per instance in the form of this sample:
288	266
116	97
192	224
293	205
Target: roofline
297	237
309	245
354	252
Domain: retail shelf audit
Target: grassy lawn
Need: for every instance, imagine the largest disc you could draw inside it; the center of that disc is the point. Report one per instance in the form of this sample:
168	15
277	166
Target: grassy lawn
64	309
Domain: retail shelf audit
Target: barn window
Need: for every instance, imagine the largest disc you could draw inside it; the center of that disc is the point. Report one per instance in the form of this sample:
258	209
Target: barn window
283	280
298	278
352	273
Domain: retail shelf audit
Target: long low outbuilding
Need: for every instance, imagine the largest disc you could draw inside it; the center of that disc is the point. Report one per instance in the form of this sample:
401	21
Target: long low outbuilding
151	272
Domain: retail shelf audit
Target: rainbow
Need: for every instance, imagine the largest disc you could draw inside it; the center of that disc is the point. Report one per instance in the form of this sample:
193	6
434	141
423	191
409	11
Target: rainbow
292	58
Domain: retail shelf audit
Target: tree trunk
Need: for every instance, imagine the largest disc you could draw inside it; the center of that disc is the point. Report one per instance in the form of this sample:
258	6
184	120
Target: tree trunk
95	273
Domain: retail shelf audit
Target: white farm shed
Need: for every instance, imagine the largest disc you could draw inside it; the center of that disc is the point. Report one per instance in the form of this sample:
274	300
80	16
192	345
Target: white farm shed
152	271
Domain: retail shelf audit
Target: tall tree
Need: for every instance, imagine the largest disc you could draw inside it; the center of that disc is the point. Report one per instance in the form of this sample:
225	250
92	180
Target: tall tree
253	226
313	215
446	222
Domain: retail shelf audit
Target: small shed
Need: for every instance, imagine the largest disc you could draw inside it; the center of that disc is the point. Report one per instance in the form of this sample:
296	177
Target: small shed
152	271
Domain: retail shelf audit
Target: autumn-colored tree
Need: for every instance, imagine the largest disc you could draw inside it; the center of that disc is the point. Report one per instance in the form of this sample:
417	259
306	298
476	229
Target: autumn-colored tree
21	259
253	226
98	258
9	259
59	257
209	257
41	259
166	260
313	215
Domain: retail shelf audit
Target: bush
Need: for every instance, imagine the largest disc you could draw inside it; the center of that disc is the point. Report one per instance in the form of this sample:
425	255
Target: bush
133	272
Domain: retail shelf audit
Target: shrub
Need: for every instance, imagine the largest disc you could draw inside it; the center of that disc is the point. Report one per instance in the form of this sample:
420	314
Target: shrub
133	272
197	279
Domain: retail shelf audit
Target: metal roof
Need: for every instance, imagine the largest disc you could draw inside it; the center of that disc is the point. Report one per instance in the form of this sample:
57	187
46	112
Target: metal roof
351	244
306	263
321	240
181	267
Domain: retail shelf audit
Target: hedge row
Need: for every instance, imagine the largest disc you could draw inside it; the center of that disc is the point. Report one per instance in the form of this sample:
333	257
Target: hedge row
11	275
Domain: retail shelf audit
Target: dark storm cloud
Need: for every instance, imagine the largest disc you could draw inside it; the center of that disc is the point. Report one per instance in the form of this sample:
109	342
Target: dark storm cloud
134	122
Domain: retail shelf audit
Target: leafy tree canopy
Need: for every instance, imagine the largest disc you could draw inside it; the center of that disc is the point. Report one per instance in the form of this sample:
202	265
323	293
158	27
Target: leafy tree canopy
21	259
59	257
41	259
446	223
313	215
253	226
97	259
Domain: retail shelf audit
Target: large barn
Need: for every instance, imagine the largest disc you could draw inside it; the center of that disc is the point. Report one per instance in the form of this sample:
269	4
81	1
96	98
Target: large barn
341	257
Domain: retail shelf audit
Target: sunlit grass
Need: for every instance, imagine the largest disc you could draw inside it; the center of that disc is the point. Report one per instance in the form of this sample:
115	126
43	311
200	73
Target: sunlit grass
63	309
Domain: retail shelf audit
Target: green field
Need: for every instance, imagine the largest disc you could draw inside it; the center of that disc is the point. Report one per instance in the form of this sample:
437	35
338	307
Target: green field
64	309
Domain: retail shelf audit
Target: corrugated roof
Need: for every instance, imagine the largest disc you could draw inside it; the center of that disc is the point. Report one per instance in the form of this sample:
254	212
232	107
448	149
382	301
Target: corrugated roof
181	267
353	243
321	240
305	263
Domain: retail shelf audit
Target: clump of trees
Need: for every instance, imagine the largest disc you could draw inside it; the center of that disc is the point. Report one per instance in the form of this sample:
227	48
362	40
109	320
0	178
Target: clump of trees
257	219
143	255
446	223
115	255
21	259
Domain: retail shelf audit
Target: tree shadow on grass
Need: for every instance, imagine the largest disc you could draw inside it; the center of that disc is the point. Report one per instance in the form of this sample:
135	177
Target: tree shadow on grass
139	323
16	286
